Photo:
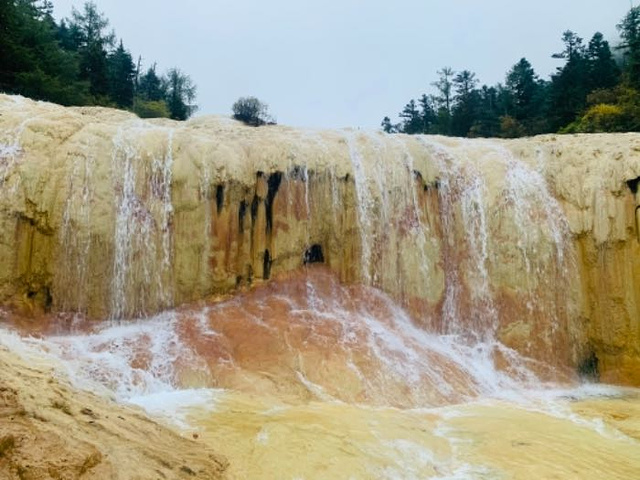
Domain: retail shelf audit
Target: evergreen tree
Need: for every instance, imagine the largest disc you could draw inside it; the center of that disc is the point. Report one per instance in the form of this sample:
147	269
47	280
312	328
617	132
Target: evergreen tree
68	36
46	10
487	122
389	127
32	62
602	69
443	100
591	91
524	100
121	77
93	43
522	85
151	93
180	94
427	114
569	86
466	104
150	86
74	63
629	29
411	119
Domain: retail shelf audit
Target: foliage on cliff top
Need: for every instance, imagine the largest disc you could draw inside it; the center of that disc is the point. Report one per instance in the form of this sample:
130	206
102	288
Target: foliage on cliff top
251	111
526	104
78	62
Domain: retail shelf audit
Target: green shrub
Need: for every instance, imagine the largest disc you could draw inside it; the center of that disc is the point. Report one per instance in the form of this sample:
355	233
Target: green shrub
151	109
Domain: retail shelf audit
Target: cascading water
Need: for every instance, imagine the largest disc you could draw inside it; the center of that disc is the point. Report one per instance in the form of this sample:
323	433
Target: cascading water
10	151
418	228
365	207
142	266
344	353
416	288
526	189
161	171
133	232
75	240
461	193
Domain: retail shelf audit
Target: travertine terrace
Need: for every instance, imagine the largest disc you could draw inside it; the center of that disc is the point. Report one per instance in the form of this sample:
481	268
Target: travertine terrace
531	241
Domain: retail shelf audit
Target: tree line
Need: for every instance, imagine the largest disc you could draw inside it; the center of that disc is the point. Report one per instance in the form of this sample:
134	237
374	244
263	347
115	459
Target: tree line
79	61
596	89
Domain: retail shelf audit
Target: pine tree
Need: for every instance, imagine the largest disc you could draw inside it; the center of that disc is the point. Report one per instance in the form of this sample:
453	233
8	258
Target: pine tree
466	103
411	119
74	63
570	85
629	29
68	36
522	84
151	87
602	68
389	127
93	43
524	98
32	62
427	114
121	77
487	122
444	100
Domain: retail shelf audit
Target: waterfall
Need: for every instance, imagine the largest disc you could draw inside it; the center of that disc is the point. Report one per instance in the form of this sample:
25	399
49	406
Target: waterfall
487	242
393	303
142	265
365	208
75	238
461	195
10	153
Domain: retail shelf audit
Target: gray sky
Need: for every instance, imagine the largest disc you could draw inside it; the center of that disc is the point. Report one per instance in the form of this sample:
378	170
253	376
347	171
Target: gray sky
343	63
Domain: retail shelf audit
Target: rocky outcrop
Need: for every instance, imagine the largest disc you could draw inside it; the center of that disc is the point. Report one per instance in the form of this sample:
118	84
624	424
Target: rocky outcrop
532	241
50	430
595	178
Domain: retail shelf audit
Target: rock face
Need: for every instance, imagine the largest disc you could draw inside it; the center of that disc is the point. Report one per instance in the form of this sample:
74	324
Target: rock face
530	242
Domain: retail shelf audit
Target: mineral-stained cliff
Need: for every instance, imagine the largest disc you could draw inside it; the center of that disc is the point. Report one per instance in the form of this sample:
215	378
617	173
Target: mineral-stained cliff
532	242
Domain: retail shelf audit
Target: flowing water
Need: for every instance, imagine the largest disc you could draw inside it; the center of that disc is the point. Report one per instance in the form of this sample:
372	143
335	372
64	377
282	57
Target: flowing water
142	273
345	385
310	377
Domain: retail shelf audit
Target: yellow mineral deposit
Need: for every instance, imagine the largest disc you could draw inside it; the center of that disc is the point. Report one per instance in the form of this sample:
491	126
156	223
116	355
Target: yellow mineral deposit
306	304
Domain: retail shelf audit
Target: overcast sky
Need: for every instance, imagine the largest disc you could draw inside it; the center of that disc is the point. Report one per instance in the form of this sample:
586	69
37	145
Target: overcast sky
332	63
